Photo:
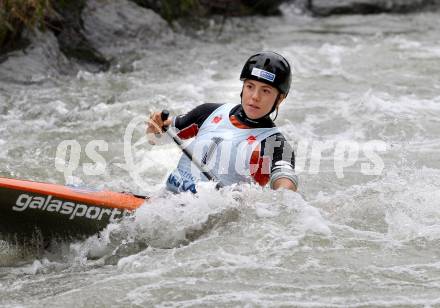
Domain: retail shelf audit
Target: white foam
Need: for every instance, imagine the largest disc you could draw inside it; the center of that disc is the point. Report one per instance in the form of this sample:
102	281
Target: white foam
355	77
413	212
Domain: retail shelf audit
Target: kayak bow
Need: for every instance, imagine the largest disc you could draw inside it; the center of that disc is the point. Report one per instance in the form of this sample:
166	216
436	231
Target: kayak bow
28	208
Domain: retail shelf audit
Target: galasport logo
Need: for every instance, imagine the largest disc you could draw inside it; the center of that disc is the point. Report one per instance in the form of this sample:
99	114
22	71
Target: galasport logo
68	208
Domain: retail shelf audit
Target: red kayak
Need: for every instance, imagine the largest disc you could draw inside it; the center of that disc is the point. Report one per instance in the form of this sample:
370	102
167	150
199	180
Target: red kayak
31	208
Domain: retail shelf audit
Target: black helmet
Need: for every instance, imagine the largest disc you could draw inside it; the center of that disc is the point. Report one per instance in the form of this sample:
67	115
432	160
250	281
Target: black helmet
270	68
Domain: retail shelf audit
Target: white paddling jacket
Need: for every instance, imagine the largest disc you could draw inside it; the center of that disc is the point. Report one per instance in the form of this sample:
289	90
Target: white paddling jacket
228	152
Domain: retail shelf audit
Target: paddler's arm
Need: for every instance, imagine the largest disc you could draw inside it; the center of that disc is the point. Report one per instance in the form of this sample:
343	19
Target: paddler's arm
284	183
282	173
155	123
155	126
187	124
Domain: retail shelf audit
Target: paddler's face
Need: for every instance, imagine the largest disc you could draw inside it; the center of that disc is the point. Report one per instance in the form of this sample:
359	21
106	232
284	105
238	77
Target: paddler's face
258	98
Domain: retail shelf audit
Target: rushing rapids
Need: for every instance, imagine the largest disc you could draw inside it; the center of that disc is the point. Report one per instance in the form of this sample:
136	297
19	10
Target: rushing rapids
348	239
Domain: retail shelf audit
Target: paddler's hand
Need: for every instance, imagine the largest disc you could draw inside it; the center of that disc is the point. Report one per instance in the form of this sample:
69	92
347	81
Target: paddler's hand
155	126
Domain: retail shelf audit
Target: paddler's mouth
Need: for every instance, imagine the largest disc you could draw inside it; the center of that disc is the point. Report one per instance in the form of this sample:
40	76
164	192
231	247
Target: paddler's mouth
253	107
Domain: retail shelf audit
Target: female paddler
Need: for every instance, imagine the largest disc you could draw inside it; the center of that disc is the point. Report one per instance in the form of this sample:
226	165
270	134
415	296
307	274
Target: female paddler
236	142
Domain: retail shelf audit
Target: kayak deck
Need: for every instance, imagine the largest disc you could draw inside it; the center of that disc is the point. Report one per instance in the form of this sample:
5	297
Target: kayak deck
50	210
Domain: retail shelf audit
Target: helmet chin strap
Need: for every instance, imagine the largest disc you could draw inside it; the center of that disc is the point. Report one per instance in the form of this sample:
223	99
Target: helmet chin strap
267	115
276	114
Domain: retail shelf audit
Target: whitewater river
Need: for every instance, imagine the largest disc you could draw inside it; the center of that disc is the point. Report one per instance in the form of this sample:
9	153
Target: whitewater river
363	232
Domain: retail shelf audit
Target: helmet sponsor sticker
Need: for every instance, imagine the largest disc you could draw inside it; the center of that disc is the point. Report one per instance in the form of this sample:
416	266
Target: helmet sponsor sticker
263	74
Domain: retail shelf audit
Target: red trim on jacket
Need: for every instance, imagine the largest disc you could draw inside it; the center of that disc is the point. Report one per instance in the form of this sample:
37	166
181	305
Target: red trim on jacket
189	132
260	167
237	123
